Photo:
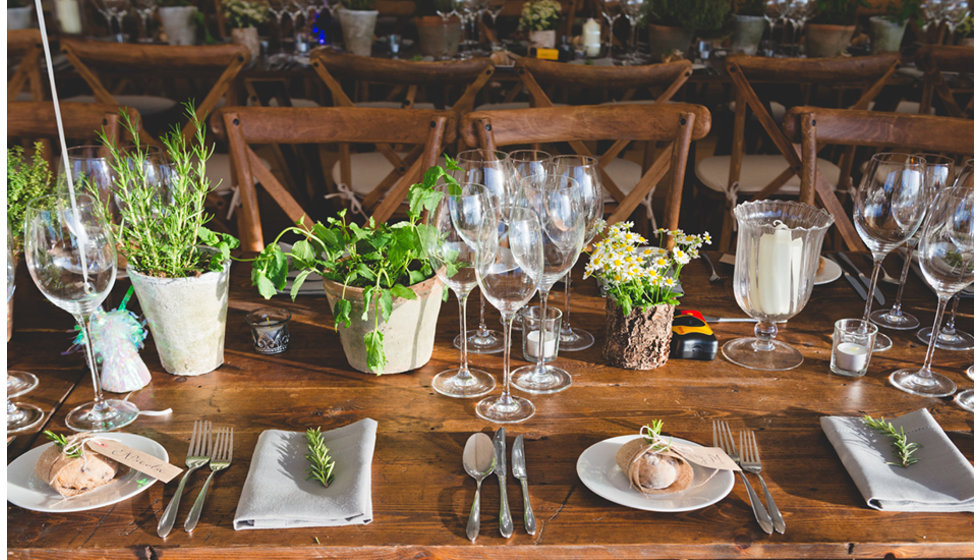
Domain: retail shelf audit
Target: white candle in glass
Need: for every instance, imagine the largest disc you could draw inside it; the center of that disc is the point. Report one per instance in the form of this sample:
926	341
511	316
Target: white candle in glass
849	356
69	16
779	261
592	37
535	345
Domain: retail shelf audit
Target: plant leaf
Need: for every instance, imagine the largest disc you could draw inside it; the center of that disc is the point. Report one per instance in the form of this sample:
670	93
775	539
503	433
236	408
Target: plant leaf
341	313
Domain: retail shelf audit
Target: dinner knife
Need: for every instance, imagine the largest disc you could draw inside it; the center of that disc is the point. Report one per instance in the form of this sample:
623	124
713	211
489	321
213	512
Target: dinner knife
500	469
862	292
846	261
520	473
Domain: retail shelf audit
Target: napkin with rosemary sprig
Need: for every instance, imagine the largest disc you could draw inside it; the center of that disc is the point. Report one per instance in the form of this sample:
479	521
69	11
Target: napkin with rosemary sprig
280	492
935	476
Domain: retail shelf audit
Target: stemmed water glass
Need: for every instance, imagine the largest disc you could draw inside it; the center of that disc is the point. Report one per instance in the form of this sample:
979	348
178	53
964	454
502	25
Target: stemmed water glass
585	170
611	11
494	7
509	265
445	16
20	416
633	9
278	9
965	398
457	226
529	162
888	208
145	9
72	258
938	170
946	261
113	10
949	337
557	201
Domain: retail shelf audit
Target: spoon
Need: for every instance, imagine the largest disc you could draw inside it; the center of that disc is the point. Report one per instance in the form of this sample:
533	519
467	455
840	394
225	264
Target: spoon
478	461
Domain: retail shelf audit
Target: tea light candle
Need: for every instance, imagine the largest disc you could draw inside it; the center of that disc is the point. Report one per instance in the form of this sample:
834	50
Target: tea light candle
535	345
592	37
850	356
69	17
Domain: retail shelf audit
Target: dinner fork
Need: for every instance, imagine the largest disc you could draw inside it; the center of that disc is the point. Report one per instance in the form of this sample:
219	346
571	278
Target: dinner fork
722	436
198	454
748	449
220	460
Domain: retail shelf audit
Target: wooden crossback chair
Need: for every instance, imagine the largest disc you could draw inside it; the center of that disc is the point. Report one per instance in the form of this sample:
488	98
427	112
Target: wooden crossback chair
677	123
90	58
868	74
815	126
31	120
25	44
245	126
934	61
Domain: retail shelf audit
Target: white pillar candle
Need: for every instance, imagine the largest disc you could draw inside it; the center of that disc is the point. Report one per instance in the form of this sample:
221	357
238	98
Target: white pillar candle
849	356
779	263
69	17
535	345
591	37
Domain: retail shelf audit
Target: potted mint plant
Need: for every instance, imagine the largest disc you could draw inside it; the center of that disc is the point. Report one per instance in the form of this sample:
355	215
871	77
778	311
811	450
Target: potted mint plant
887	30
673	23
357	21
439	31
829	32
748	26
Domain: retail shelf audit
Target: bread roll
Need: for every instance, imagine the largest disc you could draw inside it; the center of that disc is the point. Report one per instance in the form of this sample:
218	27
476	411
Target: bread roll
72	476
651	471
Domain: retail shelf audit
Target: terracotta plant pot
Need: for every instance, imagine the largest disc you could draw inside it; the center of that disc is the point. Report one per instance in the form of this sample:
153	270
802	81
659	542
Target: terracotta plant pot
178	24
665	40
358	28
640	340
409	334
886	35
826	40
437	39
747	33
248	36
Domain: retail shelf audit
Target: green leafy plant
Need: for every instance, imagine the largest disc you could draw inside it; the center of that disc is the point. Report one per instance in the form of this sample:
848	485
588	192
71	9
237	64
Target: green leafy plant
27	179
965	29
61	441
244	13
836	12
701	16
540	15
161	230
382	259
321	463
901	11
18	4
904	449
750	7
359	5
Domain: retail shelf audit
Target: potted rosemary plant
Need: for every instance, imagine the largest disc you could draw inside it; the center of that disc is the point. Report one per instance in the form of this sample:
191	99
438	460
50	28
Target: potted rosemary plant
178	267
829	32
439	31
887	30
673	23
357	21
748	26
244	16
540	18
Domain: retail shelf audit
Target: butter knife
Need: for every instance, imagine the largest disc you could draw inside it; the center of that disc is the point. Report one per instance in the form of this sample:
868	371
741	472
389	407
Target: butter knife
855	283
520	473
500	469
846	261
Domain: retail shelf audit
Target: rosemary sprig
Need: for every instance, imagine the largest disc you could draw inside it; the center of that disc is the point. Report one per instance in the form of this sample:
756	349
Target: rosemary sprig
61	442
321	464
653	430
904	448
651	434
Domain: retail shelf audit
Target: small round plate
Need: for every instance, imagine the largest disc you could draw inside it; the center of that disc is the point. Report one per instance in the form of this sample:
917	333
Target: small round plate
29	492
599	472
831	271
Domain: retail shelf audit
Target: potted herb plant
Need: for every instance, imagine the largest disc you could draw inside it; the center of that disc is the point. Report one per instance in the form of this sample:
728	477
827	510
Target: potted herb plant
748	26
673	23
829	32
244	16
357	21
438	34
19	14
178	20
540	18
379	283
178	267
640	288
964	32
887	30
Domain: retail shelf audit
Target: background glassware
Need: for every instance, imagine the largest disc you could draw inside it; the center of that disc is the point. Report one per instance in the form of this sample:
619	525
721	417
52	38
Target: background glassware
92	163
585	170
937	172
949	337
529	162
457	219
611	11
491	169
633	9
776	261
510	263
21	416
144	9
278	9
888	208
72	259
946	260
965	398
557	201
494	7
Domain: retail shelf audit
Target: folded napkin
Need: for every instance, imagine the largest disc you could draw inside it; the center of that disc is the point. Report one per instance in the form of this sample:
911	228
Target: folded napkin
277	494
942	480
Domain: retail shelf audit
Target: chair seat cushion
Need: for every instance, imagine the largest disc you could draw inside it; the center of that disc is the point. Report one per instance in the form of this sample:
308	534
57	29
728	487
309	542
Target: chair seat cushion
296	102
778	110
757	171
219	172
625	173
394	105
504	106
367	169
145	105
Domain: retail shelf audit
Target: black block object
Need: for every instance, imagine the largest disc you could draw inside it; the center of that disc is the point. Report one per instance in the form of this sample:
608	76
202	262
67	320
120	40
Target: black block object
693	339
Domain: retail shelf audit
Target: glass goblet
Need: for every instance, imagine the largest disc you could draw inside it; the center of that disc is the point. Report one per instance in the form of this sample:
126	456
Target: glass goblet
776	260
529	162
964	399
72	259
509	266
949	337
946	262
20	416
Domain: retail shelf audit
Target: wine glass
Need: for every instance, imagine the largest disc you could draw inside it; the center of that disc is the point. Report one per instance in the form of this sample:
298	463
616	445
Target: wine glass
278	9
492	170
72	258
458	217
776	261
494	7
946	261
21	416
557	200
611	11
529	162
633	9
938	170
965	398
585	170
144	9
510	262
888	208
949	337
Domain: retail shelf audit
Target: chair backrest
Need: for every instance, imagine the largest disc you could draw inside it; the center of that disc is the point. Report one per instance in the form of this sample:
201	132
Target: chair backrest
662	80
25	44
28	121
934	60
219	62
245	126
677	123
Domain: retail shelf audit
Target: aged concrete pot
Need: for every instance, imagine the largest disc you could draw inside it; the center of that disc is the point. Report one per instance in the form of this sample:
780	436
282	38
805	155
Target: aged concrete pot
178	24
824	40
358	28
747	34
409	333
546	39
20	18
886	35
664	40
187	319
436	39
640	340
248	36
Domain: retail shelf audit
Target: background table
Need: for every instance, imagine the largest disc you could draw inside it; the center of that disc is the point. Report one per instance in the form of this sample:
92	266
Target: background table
421	493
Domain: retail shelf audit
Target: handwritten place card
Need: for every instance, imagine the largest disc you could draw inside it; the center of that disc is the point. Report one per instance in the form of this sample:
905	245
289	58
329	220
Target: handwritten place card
143	462
709	457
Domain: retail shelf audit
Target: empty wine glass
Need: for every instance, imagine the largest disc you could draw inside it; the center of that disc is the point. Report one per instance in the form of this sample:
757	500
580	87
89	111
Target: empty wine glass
946	262
529	162
611	11
888	208
510	263
965	398
494	7
633	9
458	217
949	337
21	416
144	9
72	258
278	9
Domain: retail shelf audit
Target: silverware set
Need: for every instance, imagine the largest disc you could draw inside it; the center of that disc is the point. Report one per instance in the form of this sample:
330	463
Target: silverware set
481	456
857	279
208	446
746	455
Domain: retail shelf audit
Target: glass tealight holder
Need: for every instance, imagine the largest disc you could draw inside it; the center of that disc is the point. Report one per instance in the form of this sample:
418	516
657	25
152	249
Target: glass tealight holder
540	336
854	341
270	329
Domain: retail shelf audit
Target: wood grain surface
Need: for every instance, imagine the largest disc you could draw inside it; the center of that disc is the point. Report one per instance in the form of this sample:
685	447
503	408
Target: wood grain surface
421	495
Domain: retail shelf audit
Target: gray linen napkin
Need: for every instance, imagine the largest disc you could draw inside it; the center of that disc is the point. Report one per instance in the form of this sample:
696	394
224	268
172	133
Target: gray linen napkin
942	480
277	494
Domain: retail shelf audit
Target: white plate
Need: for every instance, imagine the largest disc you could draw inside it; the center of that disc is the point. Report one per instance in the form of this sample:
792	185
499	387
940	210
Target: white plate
831	271
599	472
29	492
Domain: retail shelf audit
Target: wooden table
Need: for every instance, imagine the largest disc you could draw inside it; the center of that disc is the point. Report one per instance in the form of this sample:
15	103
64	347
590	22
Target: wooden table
421	494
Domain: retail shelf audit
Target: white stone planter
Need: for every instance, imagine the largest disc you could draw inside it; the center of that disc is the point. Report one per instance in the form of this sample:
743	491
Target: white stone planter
20	18
747	33
542	39
248	36
358	28
187	318
178	24
886	35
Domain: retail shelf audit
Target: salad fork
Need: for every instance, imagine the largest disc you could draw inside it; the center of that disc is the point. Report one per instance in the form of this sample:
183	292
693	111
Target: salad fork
220	460
749	452
722	436
198	454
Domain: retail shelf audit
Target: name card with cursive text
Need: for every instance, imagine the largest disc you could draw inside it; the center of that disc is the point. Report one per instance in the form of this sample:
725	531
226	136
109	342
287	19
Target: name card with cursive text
710	457
143	462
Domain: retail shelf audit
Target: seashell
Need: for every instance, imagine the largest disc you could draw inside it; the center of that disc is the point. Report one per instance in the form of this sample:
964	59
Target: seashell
663	472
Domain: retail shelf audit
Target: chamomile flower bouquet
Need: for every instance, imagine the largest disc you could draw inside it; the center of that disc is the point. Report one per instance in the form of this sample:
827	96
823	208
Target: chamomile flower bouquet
540	15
